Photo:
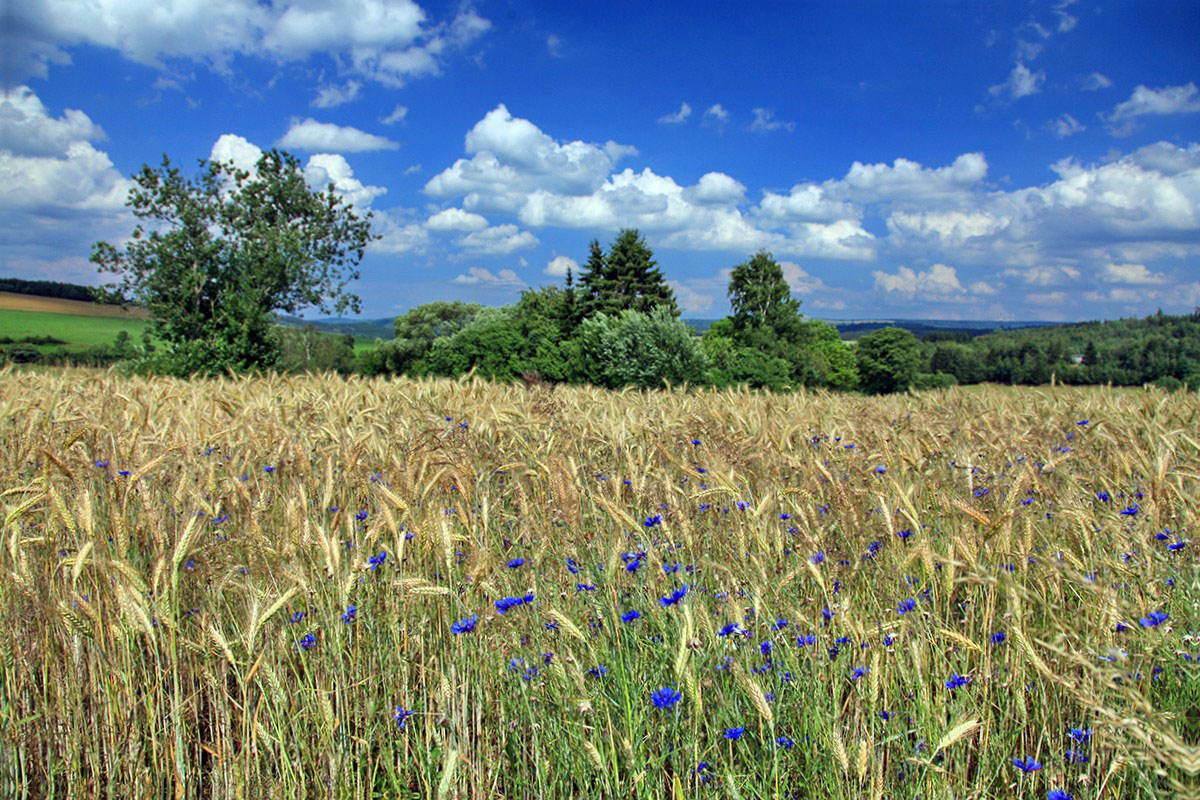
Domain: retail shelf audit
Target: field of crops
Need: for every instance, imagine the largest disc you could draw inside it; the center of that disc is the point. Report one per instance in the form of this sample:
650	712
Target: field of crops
310	587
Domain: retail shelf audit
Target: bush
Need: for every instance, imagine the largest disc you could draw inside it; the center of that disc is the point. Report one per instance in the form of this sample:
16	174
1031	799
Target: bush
636	349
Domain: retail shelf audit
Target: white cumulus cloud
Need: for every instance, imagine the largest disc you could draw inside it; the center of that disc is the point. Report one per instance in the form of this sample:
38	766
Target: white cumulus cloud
485	277
308	134
1130	273
455	219
1021	82
559	265
499	240
1065	126
334	95
764	122
939	282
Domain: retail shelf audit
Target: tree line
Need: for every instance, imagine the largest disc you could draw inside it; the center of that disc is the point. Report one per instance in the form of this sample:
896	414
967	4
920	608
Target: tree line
215	258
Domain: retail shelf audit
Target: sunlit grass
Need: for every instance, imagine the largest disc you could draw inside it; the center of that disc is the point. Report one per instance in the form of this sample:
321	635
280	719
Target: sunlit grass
160	620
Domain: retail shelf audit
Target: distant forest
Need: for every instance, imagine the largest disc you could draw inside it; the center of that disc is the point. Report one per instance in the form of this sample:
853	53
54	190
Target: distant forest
64	291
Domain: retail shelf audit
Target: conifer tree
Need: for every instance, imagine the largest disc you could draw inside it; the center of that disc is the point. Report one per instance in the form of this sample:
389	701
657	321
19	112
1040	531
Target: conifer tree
626	278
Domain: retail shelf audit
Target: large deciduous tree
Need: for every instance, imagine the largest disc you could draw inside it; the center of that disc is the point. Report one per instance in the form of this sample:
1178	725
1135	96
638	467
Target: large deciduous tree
212	258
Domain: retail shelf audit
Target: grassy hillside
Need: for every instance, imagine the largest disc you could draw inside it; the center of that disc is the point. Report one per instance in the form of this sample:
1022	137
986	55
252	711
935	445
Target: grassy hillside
312	587
78	330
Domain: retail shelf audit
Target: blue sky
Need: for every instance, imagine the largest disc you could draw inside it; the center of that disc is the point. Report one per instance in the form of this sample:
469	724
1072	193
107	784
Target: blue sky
1034	160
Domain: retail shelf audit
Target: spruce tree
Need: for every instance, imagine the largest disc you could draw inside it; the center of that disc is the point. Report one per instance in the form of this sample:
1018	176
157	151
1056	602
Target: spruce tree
626	278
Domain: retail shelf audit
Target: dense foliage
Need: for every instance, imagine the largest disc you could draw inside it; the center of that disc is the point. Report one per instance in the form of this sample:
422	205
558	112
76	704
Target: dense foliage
66	291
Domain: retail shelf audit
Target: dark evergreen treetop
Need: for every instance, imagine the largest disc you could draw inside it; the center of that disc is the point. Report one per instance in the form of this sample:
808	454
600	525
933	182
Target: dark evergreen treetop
626	278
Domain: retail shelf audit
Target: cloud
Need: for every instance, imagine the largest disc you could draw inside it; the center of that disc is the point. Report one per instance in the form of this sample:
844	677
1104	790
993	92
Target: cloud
1021	82
455	219
1066	22
939	282
498	241
800	281
27	129
389	41
1130	273
1065	126
715	116
62	194
678	117
399	235
1044	275
559	265
238	149
554	45
323	169
1096	81
512	158
716	188
764	122
398	114
1144	100
309	134
481	276
689	300
333	95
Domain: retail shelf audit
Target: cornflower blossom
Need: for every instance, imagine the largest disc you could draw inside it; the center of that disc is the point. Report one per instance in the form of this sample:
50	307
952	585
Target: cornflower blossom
598	671
350	614
465	625
674	597
904	534
734	733
630	616
730	629
515	563
998	637
308	641
665	698
1154	619
376	561
957	680
505	603
1057	794
1027	765
906	606
785	743
401	716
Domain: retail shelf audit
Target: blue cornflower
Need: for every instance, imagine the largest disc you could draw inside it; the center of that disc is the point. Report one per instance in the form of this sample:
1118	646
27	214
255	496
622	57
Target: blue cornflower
1154	619
1083	422
880	470
465	625
376	561
1131	511
598	671
998	637
1176	546
734	733
859	672
102	464
630	616
906	606
571	566
765	647
585	587
695	441
1103	497
1028	765
505	603
731	628
401	716
957	680
1059	794
806	640
665	698
1081	735
780	624
1076	757
817	557
308	641
785	743
785	516
351	613
123	472
904	534
296	617
361	516
268	469
650	522
516	562
674	597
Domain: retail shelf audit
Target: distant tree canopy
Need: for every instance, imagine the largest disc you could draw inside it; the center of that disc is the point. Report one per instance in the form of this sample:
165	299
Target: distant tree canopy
221	252
65	291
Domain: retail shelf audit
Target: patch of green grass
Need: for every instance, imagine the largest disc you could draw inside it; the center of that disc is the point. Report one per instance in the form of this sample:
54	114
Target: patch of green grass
77	330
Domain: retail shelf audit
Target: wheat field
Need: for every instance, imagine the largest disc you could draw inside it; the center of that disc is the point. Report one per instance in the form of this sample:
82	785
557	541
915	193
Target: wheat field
286	587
